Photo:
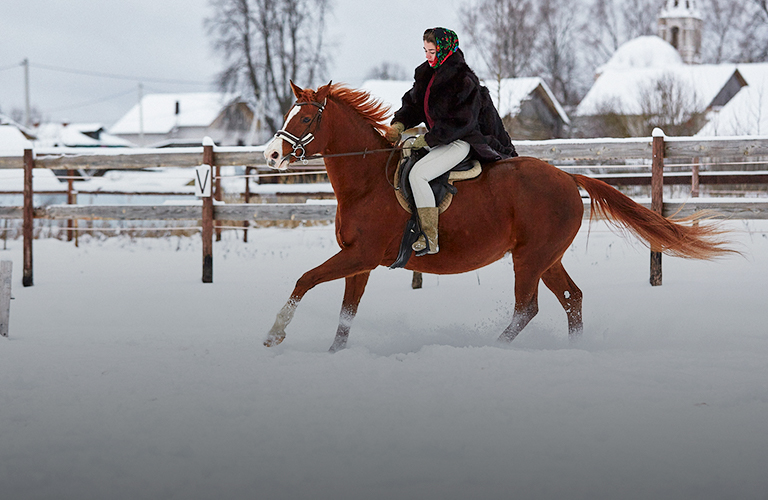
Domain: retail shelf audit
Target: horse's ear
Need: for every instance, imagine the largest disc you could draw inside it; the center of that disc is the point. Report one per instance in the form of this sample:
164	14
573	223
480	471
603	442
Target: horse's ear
322	92
297	91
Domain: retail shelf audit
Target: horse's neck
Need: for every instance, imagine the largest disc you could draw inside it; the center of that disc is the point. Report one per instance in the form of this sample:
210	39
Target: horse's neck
361	173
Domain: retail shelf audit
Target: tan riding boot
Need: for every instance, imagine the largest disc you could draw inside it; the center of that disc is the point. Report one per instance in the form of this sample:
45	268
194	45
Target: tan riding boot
428	218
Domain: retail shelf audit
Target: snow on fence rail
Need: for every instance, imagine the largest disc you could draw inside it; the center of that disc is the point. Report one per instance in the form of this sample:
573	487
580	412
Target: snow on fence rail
565	153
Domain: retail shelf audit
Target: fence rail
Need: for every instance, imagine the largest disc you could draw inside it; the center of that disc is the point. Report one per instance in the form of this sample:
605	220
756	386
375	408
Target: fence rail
564	153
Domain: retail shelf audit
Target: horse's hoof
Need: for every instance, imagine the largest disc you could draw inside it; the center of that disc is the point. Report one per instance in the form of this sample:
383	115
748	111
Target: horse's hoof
274	340
505	338
337	346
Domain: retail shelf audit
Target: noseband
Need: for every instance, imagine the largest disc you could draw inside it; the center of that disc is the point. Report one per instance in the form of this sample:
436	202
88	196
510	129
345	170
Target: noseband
299	143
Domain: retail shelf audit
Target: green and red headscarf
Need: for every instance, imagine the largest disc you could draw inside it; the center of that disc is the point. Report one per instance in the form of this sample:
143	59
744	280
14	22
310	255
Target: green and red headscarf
447	42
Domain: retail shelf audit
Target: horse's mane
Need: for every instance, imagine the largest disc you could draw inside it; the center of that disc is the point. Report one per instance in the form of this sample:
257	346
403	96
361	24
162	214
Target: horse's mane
370	109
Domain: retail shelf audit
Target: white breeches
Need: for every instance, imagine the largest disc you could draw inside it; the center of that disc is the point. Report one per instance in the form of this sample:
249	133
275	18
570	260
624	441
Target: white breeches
438	161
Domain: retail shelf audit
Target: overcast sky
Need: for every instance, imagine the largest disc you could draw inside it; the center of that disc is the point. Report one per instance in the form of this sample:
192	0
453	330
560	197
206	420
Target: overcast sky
73	45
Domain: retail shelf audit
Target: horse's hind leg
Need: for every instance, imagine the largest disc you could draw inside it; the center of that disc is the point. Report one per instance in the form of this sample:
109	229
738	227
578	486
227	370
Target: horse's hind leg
353	292
569	295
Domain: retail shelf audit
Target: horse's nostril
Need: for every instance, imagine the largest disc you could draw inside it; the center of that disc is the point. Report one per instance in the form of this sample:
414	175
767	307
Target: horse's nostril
275	155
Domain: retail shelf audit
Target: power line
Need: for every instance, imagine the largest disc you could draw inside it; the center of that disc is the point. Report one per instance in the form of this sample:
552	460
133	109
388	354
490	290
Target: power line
116	76
90	103
12	66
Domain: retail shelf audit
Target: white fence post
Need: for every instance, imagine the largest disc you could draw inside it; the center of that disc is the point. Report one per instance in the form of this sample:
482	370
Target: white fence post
6	266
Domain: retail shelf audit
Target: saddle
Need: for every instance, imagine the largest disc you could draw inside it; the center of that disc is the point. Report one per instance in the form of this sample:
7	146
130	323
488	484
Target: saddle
442	187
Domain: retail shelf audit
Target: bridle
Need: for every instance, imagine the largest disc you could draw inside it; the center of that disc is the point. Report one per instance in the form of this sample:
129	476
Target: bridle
299	143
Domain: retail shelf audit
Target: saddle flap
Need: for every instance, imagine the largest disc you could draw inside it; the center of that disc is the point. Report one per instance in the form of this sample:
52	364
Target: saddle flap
473	171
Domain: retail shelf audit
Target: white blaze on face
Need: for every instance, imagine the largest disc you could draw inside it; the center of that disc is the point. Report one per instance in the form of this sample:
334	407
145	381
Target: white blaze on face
274	150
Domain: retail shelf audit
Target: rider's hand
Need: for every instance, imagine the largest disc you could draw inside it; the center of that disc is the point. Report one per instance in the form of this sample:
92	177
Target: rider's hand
419	143
395	132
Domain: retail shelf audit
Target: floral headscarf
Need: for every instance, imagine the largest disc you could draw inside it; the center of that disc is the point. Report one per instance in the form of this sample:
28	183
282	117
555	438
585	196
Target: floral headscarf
447	44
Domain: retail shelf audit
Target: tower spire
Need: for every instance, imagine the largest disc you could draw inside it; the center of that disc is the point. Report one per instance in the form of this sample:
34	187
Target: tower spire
680	23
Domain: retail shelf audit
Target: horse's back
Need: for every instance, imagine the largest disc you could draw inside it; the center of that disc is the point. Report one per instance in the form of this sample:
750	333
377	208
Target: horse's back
543	201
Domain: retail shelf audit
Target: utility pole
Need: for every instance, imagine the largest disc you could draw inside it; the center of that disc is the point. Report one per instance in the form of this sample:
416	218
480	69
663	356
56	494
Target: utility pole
141	114
27	113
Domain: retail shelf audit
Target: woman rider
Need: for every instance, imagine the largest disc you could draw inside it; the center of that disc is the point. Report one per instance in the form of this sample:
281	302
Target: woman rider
460	118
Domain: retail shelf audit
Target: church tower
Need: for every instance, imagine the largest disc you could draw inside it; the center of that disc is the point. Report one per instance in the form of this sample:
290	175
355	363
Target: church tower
680	24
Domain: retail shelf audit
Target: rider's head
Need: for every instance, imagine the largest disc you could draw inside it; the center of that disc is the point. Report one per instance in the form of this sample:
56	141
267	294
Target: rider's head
439	43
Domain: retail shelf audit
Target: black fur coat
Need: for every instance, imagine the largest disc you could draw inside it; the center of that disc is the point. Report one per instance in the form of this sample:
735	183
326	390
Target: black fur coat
460	108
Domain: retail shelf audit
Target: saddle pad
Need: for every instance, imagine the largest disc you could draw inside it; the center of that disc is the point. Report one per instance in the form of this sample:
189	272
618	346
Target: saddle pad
454	176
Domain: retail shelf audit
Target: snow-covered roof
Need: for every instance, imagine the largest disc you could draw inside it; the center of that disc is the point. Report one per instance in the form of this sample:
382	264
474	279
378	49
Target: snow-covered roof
513	92
59	135
7	120
747	112
643	52
196	109
621	90
12	141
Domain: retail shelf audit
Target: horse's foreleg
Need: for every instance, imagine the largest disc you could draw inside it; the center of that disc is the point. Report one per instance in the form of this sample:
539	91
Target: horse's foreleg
526	302
569	295
353	292
341	265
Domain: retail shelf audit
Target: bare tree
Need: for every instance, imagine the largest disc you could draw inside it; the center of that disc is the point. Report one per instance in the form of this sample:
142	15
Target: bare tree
603	30
612	22
387	71
556	52
753	37
503	33
734	31
763	6
267	43
670	103
721	23
641	17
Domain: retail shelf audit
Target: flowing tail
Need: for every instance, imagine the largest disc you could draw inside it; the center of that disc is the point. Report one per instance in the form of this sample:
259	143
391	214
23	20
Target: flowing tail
697	241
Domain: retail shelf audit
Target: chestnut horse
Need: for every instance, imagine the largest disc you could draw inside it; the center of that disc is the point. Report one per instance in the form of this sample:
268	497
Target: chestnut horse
522	206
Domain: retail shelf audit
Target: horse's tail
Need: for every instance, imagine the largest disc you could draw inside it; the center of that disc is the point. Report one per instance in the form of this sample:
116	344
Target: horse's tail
696	241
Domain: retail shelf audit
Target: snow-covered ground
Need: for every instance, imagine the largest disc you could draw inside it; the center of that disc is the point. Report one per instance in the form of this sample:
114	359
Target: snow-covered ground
126	377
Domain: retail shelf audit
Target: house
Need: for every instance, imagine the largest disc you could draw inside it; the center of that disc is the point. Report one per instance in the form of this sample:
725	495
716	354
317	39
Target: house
646	83
529	109
163	120
747	112
76	135
7	121
656	81
527	105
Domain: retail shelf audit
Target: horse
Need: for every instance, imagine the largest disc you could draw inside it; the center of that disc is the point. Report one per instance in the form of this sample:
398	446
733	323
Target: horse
522	205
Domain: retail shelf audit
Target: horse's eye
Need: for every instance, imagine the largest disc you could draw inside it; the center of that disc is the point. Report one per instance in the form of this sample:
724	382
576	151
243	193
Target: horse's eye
305	119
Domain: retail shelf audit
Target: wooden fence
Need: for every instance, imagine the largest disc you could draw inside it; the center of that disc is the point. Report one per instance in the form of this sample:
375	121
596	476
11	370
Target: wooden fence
567	154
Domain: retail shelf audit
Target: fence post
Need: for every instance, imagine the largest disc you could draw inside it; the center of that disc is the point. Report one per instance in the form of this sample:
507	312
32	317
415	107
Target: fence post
6	267
246	224
71	200
657	198
208	217
218	196
417	281
695	178
29	217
